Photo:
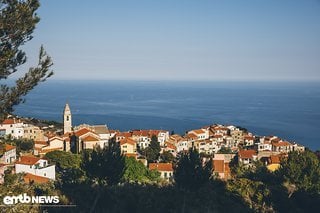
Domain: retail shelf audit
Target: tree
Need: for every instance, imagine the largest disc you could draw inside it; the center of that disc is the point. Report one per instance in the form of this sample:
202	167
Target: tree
225	150
18	19
166	157
135	171
64	160
153	151
301	169
190	173
104	166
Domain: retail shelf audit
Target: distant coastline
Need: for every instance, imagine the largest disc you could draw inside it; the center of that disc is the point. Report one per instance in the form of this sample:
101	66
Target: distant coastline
286	109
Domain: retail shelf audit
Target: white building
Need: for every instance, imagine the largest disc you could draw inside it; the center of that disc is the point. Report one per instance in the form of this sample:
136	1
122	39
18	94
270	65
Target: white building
12	127
9	155
201	134
35	166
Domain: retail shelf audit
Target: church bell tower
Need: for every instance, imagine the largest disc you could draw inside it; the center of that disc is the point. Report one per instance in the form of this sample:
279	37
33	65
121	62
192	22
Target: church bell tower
67	119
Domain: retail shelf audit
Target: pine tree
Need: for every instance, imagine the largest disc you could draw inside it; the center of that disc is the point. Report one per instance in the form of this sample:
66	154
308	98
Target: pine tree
153	151
106	166
18	19
190	173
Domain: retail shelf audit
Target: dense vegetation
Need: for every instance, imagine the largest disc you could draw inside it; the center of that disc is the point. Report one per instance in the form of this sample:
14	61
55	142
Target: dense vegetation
129	186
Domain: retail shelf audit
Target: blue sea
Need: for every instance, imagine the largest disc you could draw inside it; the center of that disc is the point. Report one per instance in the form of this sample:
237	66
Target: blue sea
288	110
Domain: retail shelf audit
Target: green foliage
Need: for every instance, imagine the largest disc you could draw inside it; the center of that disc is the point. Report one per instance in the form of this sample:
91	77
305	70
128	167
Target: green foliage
18	19
255	193
64	160
166	157
24	145
211	197
190	173
135	171
153	151
301	169
14	185
104	166
225	150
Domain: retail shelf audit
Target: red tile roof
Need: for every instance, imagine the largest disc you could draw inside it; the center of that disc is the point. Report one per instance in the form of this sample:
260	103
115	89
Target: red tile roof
161	166
247	153
28	160
127	141
41	142
9	147
34	178
170	146
89	138
198	131
130	155
274	159
82	131
282	143
9	121
192	135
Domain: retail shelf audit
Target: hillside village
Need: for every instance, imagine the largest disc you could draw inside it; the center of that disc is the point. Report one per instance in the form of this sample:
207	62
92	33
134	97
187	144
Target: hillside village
221	143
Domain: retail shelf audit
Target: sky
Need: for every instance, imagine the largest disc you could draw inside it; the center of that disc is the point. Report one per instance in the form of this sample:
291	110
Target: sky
240	40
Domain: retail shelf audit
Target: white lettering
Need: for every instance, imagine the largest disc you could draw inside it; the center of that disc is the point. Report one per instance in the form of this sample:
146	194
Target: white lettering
24	198
7	200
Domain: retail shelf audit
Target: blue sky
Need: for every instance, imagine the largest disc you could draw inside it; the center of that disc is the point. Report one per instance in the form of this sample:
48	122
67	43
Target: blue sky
180	39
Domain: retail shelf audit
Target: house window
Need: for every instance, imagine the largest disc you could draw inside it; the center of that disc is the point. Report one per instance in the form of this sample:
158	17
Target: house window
31	167
67	118
44	174
165	174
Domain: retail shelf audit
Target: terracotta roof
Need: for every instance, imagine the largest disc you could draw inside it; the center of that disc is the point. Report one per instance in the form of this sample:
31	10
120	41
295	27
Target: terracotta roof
28	160
161	166
221	128
37	179
218	166
274	159
127	141
247	153
82	132
282	143
192	135
123	134
144	133
154	132
170	146
9	121
9	147
89	138
198	131
276	140
130	155
41	142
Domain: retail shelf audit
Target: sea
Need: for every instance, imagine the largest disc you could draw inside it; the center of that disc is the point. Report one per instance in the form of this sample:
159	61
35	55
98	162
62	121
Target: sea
290	110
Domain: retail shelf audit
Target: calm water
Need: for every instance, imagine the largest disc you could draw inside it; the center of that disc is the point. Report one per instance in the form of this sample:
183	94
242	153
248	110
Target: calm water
288	110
